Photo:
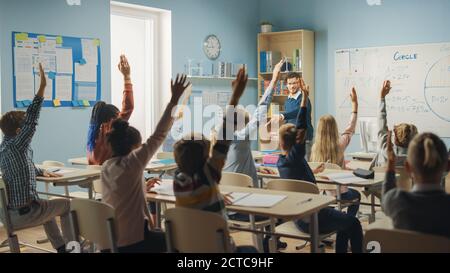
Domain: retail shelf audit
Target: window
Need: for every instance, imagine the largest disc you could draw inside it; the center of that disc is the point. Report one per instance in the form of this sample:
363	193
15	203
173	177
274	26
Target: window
144	35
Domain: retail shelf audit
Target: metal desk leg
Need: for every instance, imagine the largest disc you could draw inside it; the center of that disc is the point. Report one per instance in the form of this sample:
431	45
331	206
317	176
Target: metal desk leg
338	196
261	182
66	189
273	239
314	232
257	238
158	215
372	209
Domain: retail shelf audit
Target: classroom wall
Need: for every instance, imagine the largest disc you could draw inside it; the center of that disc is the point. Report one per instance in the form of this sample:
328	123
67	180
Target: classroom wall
62	132
353	23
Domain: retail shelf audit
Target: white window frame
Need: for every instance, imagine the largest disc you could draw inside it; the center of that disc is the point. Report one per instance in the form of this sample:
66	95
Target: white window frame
157	84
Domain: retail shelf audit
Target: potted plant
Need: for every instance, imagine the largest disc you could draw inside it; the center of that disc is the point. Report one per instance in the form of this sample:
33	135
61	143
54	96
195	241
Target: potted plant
266	26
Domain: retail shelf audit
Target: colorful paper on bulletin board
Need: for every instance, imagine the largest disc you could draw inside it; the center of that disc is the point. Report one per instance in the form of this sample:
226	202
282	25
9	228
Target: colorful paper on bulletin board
86	103
56	103
42	38
21	36
24	45
26	103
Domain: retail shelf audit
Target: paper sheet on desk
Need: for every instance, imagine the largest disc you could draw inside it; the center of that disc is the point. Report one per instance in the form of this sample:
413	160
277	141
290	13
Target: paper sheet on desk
164	189
60	171
257	200
345	178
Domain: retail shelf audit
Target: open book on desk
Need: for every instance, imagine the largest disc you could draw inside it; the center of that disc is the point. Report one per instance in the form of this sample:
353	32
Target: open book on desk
344	178
245	199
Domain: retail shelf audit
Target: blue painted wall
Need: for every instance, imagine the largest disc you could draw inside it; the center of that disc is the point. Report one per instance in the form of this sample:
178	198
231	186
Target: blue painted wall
352	23
338	24
61	133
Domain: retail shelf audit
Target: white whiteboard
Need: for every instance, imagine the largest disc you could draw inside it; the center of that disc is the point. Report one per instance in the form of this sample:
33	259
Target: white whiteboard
420	80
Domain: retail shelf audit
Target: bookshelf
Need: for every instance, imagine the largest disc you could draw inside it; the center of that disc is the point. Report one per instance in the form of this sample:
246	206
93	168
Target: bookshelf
283	44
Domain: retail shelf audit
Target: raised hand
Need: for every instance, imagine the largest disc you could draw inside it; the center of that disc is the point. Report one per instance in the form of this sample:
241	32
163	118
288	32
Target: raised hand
386	88
124	67
354	99
178	88
390	152
277	70
41	90
238	85
305	95
303	85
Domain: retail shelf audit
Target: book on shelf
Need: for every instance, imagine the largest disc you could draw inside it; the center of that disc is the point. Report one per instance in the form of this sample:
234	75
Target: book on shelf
279	89
268	59
297	59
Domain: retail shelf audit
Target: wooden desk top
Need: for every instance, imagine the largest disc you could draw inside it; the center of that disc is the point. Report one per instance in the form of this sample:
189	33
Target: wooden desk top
295	206
153	166
73	176
379	178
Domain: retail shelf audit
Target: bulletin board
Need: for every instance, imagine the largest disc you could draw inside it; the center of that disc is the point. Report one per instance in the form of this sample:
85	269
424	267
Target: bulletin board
72	67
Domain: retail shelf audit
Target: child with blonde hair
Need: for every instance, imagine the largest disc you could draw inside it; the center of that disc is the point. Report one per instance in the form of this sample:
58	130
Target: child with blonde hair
329	146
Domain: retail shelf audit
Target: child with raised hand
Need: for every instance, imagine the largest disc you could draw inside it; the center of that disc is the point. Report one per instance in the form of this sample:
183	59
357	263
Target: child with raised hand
123	182
292	165
98	150
403	133
425	208
329	146
197	179
19	173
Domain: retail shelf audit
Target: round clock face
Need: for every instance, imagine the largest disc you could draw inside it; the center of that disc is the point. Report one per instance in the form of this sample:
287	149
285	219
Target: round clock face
211	47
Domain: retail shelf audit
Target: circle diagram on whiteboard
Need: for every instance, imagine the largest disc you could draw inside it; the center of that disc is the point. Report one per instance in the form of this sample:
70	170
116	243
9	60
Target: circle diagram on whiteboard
437	88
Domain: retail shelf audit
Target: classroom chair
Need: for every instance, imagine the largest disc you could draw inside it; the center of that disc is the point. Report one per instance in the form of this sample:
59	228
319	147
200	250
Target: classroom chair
245	181
323	187
289	228
404	182
165	155
12	240
96	187
381	240
94	221
184	234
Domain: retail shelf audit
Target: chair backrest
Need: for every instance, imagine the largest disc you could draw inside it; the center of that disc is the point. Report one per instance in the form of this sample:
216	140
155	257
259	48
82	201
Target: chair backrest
97	183
404	241
196	231
94	221
51	163
236	179
5	218
292	185
330	166
165	155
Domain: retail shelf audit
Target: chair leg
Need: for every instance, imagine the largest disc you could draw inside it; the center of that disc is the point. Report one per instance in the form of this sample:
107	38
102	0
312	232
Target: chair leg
13	242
